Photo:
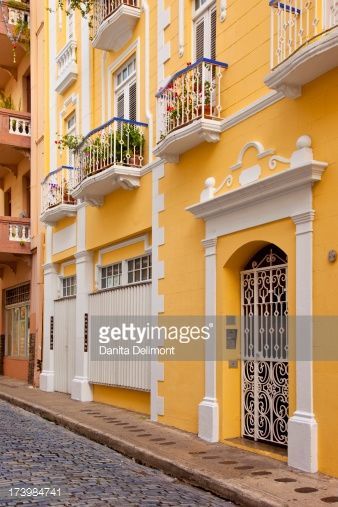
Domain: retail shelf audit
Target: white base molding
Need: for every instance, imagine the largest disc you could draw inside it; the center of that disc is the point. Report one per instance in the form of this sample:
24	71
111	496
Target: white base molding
303	442
187	137
93	188
305	65
116	29
81	389
208	420
47	381
54	214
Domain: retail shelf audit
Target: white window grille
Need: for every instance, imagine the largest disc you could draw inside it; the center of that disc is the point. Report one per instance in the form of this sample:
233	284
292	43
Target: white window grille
125	91
139	269
205	30
69	286
111	276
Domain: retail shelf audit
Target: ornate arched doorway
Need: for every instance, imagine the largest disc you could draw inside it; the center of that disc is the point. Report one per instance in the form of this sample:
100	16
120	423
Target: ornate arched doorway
265	371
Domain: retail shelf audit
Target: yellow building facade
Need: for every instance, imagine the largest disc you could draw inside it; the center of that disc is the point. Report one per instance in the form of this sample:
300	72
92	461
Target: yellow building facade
190	171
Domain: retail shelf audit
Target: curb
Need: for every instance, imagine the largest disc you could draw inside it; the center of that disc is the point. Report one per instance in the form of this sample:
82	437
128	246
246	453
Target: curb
231	490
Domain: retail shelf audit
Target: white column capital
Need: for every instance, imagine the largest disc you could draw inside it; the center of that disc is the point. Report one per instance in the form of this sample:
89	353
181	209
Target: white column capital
83	256
209	246
303	219
50	269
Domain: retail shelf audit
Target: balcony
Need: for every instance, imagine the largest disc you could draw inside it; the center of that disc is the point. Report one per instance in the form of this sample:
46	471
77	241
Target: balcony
66	63
304	43
113	23
15	137
109	157
14	240
14	18
189	109
56	200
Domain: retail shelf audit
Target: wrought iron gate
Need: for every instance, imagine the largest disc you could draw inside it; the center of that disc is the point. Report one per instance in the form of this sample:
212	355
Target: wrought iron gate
265	347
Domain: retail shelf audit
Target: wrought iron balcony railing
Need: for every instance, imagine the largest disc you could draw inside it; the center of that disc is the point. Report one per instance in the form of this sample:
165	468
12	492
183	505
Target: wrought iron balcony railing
102	9
296	23
56	188
191	94
117	143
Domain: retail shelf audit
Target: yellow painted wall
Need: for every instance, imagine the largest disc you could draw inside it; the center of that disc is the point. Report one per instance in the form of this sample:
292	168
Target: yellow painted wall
242	42
137	401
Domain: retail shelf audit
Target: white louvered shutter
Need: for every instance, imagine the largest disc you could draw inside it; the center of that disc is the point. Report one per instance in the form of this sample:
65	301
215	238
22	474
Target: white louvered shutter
120	106
132	102
199	39
213	19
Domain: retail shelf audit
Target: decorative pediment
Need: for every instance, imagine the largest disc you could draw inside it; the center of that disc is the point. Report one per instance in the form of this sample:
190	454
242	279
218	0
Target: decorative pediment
248	175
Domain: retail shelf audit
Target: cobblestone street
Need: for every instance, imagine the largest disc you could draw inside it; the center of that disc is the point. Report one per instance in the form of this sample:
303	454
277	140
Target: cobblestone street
37	454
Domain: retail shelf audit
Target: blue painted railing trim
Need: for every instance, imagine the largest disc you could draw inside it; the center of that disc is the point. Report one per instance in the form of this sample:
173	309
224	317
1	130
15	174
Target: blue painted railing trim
57	170
190	67
109	122
288	8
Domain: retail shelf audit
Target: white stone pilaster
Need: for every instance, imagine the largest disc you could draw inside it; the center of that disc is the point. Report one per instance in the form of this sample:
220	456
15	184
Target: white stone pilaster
208	410
50	294
302	431
81	389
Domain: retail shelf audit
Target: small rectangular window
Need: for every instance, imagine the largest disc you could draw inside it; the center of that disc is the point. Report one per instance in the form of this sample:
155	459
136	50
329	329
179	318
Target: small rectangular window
69	286
139	269
111	276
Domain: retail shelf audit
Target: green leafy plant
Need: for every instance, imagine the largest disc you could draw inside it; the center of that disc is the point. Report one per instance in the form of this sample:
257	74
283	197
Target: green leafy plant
83	6
69	141
6	101
22	31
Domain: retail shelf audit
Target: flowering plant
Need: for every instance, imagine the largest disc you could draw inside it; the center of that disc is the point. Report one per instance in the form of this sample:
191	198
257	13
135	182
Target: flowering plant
69	141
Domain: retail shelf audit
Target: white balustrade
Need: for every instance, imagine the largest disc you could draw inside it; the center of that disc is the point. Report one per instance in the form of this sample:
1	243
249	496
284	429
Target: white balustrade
295	23
118	142
19	232
15	16
192	94
19	126
66	58
56	188
102	9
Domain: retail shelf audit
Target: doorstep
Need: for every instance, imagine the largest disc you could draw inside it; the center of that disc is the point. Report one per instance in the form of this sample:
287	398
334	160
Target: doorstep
243	477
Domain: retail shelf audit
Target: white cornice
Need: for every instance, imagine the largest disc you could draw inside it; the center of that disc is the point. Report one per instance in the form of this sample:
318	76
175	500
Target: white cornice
260	191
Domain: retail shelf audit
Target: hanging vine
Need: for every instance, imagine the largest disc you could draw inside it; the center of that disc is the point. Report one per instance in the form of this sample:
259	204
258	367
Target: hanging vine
83	6
17	32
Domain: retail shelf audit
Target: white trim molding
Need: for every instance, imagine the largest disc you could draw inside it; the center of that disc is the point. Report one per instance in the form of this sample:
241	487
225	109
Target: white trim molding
181	28
287	194
222	10
157	300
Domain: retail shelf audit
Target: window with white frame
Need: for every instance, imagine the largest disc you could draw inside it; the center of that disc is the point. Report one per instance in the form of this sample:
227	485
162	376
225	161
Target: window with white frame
139	269
126	272
69	286
111	276
70	131
125	91
205	17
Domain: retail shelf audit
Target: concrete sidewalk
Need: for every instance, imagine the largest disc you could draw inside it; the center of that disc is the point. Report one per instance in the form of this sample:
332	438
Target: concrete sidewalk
243	477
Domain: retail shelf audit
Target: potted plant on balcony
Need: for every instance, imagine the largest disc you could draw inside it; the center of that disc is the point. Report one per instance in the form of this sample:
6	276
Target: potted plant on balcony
134	140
